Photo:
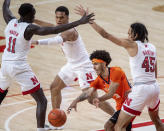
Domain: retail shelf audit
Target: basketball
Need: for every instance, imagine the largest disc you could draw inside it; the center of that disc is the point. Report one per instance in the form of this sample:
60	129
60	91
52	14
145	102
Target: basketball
57	117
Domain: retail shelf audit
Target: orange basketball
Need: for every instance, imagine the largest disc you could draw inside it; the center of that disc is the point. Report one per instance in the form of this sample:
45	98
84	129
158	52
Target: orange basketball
57	117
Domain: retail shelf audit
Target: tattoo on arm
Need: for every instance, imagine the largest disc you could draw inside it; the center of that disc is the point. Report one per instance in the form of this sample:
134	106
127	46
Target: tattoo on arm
82	97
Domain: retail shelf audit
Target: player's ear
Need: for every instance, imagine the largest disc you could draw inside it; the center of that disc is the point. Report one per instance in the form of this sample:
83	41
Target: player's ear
104	64
135	37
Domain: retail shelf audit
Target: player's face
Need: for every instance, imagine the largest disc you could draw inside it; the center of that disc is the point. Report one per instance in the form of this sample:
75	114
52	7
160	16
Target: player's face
98	67
61	18
130	34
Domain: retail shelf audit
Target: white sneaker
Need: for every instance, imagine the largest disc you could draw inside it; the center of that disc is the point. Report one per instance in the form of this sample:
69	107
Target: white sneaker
50	127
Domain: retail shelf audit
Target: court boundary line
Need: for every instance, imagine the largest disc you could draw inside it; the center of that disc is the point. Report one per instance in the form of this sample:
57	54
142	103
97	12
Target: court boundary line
138	125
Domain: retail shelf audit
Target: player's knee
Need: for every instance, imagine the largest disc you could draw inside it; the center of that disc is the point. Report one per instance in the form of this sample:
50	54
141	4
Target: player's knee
43	101
54	87
108	126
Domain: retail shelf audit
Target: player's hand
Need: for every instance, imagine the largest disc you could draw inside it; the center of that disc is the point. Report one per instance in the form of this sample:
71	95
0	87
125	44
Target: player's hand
87	18
72	106
96	102
34	42
81	11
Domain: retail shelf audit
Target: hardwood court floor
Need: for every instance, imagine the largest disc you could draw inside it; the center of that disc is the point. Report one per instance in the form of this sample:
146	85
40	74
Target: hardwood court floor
17	112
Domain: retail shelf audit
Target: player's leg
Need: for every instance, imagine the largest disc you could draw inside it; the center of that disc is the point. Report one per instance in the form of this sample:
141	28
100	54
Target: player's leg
56	87
154	115
109	125
123	121
4	84
30	85
64	78
153	107
41	107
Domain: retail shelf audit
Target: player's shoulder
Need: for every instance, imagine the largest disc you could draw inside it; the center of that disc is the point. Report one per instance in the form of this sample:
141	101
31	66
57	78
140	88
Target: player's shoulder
116	70
12	21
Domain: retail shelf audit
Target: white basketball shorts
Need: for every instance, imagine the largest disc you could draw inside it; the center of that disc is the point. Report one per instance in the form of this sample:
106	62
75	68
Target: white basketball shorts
21	72
141	96
84	73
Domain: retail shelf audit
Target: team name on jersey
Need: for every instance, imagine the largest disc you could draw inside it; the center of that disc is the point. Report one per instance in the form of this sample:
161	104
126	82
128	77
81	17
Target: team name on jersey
14	32
148	52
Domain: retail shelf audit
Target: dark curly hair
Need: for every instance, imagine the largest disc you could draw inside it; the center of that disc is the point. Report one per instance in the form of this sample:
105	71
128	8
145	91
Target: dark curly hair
25	9
62	9
140	30
101	54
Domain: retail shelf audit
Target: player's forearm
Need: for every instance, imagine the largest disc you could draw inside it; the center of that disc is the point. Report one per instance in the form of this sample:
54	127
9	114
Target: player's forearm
99	29
113	87
82	97
106	96
7	15
51	41
58	29
6	3
105	34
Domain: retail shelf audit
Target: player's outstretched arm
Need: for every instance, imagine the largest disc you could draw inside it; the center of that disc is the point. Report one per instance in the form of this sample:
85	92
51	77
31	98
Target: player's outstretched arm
121	42
7	15
37	30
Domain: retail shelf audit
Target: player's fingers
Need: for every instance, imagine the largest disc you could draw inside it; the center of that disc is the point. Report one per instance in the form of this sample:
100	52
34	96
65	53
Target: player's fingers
81	7
91	15
69	110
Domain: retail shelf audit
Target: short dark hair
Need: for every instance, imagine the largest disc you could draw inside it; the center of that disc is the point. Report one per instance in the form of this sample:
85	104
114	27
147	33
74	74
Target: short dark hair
25	9
140	30
62	9
102	55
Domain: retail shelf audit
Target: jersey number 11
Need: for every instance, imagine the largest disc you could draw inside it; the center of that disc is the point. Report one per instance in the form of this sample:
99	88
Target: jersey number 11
11	47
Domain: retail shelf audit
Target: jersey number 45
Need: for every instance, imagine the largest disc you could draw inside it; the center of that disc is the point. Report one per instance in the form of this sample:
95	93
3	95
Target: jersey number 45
149	64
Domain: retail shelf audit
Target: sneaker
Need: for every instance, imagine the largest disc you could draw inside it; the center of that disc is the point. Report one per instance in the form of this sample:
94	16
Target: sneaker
50	127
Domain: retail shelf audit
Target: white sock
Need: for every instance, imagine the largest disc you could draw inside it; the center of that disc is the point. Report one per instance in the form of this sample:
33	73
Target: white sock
40	129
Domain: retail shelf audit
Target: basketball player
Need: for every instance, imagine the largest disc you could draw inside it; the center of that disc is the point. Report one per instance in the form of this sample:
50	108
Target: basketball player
14	60
78	64
113	81
143	65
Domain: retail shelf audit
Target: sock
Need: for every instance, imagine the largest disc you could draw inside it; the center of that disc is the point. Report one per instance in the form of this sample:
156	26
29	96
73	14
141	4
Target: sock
40	129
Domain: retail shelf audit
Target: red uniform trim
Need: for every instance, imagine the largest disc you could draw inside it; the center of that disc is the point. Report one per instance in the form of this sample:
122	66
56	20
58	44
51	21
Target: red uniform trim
32	90
1	90
131	111
155	107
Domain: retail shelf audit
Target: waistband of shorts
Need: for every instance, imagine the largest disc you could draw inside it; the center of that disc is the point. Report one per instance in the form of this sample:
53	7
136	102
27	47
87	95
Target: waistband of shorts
148	82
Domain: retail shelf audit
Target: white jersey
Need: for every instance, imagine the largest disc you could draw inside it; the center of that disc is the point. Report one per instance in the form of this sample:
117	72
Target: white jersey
143	64
75	51
16	46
